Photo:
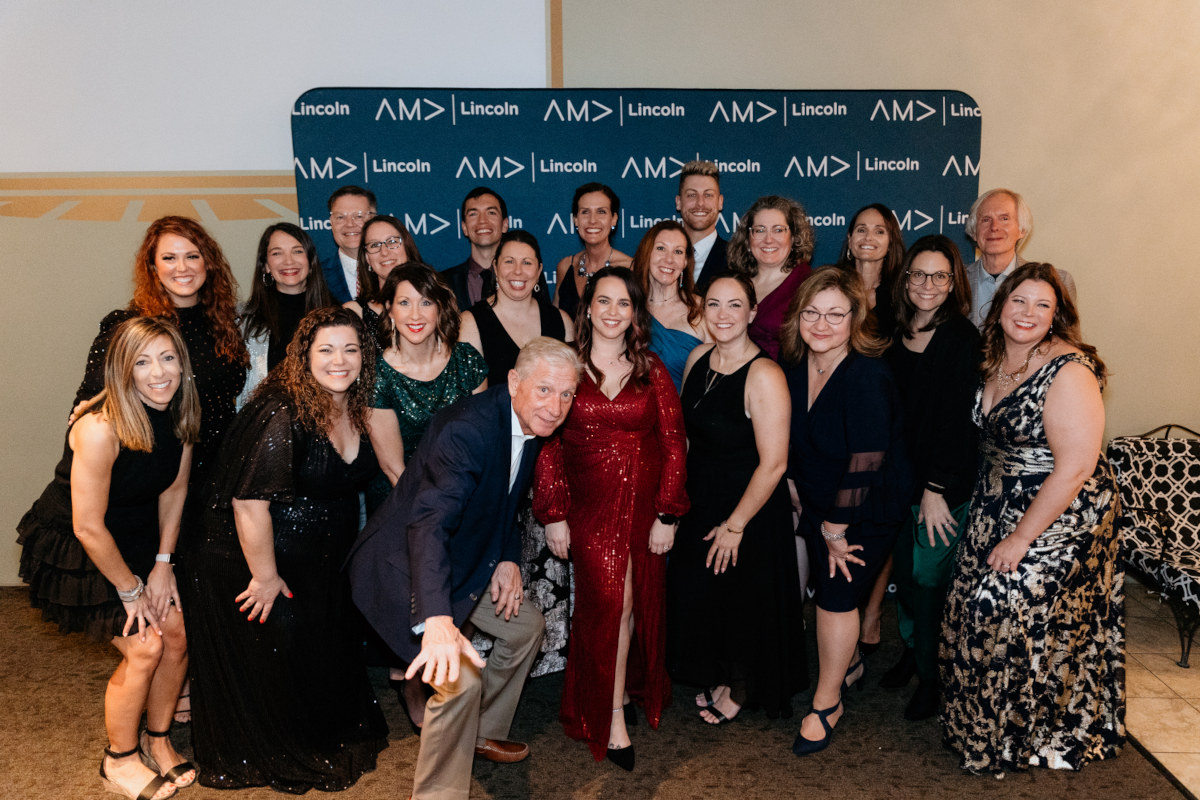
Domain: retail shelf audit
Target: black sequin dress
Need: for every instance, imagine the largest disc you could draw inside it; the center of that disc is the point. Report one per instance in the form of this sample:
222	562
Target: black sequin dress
285	703
63	581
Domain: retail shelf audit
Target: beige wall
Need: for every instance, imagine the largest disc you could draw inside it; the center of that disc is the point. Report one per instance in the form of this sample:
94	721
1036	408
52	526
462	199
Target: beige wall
1089	110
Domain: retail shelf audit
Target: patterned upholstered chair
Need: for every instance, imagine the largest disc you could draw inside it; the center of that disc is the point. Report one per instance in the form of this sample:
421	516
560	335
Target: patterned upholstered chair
1159	519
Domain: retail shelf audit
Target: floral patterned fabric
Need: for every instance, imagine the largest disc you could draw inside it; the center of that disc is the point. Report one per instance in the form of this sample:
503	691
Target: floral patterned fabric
1033	661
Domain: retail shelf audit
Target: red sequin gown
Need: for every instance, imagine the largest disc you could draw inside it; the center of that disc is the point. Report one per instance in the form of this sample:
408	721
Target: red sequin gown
615	465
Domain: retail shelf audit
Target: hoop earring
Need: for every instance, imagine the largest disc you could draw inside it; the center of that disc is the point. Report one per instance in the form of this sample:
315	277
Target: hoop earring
537	287
267	279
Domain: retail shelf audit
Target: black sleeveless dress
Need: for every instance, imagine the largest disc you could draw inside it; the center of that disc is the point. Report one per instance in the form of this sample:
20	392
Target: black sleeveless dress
63	581
499	350
742	628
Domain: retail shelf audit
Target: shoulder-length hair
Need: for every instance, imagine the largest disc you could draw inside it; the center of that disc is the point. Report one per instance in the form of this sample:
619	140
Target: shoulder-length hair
895	250
1064	325
293	376
741	258
120	402
429	285
637	335
863	338
957	304
261	314
686	287
369	285
218	295
520	236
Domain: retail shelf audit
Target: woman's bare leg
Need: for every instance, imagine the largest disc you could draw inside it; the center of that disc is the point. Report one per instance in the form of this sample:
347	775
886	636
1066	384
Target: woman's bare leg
618	736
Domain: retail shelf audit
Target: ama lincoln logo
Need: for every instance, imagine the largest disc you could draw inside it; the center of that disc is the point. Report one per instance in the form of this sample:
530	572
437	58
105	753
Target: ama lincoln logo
421	109
902	113
816	169
752	111
587	111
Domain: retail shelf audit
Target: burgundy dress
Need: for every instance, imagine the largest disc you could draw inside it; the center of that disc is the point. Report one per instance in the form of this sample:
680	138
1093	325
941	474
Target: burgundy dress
615	465
764	330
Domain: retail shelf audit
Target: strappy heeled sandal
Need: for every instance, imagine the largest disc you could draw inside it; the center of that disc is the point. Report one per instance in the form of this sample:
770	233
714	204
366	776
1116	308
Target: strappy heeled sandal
804	747
174	773
148	791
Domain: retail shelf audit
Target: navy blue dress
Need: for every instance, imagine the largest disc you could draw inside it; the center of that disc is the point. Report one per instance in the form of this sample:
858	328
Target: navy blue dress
848	460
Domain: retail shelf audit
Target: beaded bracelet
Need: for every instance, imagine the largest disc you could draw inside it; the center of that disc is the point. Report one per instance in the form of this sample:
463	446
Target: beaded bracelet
831	537
134	593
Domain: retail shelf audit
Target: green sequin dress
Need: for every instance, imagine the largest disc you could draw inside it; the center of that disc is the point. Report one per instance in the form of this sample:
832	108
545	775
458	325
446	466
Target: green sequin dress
415	402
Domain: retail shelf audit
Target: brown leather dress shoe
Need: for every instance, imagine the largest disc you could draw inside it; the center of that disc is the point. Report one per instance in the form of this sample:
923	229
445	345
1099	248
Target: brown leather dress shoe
502	752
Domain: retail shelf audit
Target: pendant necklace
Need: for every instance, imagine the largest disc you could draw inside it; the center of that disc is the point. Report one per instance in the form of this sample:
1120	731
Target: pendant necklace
583	270
1006	379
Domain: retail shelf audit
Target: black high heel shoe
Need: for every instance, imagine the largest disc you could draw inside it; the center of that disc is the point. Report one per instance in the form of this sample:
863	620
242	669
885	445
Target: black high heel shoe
867	649
804	747
623	757
859	682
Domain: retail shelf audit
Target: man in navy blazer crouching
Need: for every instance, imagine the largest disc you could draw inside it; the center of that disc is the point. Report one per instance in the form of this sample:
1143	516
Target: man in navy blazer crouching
444	548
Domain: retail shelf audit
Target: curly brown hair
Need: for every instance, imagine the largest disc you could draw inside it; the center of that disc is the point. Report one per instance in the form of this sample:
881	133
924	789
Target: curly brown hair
218	295
741	258
637	335
1064	326
293	376
687	281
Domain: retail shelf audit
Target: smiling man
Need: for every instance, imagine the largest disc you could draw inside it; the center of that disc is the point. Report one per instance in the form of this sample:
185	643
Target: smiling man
444	548
699	204
999	223
350	207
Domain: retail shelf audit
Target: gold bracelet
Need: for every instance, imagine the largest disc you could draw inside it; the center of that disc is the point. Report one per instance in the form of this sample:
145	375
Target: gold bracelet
732	530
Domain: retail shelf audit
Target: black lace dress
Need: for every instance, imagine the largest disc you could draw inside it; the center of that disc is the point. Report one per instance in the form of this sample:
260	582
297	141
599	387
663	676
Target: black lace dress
1033	661
285	703
63	581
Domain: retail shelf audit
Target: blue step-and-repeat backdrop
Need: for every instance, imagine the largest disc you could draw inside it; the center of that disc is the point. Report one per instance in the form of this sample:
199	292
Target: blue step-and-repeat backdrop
421	150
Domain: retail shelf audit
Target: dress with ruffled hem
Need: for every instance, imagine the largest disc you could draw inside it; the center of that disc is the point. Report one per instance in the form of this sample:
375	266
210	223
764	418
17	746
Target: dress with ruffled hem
63	581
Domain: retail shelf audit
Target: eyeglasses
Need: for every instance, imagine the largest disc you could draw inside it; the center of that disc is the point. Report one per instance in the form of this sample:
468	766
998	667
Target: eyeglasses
759	231
393	243
917	278
357	216
810	315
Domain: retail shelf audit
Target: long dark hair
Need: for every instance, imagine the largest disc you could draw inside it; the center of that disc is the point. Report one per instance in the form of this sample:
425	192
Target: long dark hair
895	251
637	335
959	301
1064	325
261	314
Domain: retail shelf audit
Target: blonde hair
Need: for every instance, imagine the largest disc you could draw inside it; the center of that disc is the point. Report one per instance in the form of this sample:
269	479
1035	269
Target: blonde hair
119	401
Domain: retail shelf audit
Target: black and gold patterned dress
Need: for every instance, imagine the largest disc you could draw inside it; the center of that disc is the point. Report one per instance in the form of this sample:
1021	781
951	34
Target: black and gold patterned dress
1032	661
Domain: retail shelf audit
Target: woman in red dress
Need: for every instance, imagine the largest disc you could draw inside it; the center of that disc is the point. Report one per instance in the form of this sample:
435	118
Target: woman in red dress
610	490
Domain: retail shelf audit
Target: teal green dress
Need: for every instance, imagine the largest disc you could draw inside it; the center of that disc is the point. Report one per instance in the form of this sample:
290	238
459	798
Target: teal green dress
673	348
415	402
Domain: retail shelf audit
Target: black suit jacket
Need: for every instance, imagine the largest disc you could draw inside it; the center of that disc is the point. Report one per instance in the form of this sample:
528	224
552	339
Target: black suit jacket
716	265
456	278
431	548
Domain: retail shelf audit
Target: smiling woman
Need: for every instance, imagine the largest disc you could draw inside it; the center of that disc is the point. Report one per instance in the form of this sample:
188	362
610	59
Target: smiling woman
280	694
287	284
